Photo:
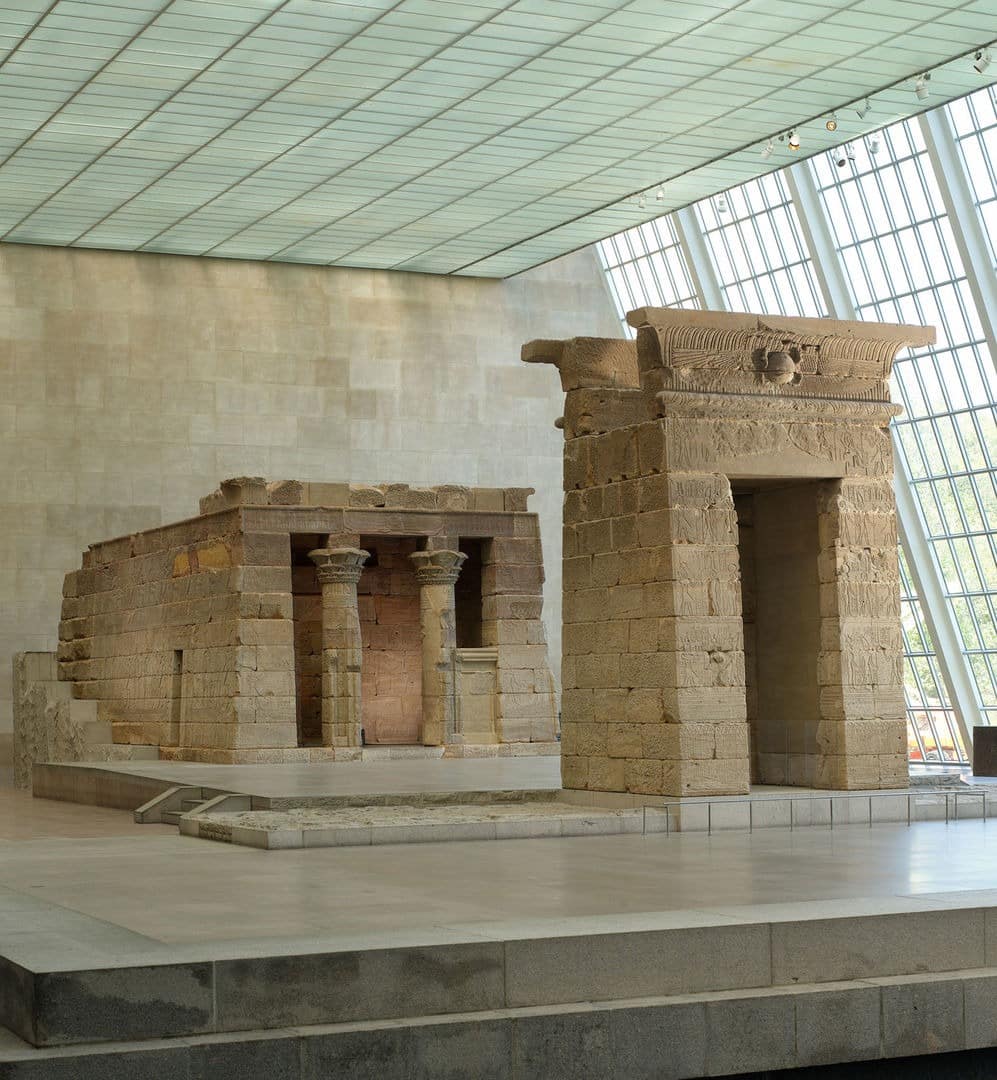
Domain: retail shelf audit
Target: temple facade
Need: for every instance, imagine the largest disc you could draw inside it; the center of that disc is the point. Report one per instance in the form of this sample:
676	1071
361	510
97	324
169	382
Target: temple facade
295	621
731	596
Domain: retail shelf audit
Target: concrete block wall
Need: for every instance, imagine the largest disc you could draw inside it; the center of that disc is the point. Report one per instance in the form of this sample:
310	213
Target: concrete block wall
133	383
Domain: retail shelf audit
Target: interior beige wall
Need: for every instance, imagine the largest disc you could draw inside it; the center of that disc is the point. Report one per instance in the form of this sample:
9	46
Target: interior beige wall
132	383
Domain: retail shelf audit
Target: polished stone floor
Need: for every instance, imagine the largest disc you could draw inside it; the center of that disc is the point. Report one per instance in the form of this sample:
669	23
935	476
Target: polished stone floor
78	867
23	818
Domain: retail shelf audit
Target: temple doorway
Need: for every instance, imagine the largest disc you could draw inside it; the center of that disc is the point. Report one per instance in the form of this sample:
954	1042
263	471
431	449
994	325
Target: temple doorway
778	548
390	629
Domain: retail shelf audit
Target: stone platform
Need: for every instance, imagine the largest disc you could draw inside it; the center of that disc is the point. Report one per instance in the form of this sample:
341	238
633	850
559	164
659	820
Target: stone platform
148	954
673	994
417	801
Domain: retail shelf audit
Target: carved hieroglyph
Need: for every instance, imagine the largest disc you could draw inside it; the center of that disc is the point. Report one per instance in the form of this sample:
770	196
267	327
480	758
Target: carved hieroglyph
707	642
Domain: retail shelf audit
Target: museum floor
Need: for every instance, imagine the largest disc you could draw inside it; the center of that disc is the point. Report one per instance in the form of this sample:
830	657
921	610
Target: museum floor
96	861
86	893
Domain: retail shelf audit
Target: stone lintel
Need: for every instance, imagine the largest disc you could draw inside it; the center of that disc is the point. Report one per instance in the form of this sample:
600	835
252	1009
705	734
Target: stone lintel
853	329
698	405
770	350
382	521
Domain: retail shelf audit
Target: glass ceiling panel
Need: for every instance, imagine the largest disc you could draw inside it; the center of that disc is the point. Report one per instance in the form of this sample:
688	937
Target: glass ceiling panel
478	137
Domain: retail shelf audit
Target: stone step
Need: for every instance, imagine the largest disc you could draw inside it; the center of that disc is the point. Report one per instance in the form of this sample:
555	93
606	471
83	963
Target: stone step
108	751
695	1035
561	963
84	711
97	732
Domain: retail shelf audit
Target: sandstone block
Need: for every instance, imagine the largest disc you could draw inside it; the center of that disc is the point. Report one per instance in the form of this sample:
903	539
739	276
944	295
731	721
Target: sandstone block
574	772
516	499
319	494
361	496
245	491
624	740
644	777
285	493
606	774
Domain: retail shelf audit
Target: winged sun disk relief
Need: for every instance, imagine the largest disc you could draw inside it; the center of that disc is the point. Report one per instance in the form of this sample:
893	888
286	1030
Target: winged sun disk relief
784	364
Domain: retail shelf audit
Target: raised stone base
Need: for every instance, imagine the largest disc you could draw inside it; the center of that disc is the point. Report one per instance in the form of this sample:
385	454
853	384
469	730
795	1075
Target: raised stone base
502	750
724	995
317	754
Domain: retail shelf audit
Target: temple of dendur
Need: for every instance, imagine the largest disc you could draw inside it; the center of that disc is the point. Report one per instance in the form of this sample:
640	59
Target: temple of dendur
731	600
299	621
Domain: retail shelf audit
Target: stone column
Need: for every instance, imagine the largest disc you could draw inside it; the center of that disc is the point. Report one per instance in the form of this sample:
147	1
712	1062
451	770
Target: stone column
339	571
436	573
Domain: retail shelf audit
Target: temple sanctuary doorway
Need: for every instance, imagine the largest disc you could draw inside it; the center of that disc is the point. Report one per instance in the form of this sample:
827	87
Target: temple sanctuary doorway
390	629
778	546
306	601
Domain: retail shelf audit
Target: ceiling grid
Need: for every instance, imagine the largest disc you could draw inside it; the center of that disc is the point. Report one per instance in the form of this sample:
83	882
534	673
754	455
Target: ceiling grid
478	137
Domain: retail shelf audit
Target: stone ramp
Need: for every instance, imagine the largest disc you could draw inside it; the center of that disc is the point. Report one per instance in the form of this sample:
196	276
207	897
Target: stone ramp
129	784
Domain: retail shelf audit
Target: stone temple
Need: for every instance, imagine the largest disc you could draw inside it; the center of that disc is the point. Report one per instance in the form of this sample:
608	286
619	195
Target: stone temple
297	622
414	713
731	602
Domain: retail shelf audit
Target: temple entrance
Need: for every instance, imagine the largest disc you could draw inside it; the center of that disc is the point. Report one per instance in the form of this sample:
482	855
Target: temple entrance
391	673
306	597
778	547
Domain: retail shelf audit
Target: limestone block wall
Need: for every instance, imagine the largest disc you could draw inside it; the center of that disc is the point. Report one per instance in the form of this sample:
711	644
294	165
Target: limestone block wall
132	382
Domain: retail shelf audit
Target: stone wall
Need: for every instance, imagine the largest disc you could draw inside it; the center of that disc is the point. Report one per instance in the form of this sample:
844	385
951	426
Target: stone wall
658	436
51	725
152	631
388	598
132	382
212	638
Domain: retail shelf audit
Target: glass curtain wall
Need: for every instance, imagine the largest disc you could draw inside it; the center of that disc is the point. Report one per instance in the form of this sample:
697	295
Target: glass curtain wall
890	230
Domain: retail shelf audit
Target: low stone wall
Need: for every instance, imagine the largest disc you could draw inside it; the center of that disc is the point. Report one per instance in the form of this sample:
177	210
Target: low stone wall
49	726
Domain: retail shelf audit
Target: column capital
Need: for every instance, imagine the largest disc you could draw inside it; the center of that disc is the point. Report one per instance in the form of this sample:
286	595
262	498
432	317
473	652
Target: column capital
437	567
339	565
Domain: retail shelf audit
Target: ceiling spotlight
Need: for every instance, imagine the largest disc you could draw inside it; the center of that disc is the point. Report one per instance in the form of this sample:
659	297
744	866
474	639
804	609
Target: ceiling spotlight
794	140
768	149
660	194
921	86
862	109
721	204
831	123
873	145
982	61
846	154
